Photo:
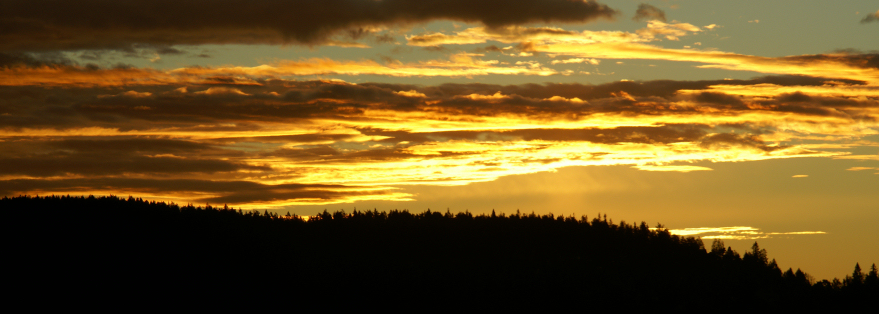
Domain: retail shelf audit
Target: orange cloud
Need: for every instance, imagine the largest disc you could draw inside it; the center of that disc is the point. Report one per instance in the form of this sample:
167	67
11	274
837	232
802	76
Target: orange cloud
621	45
363	138
832	65
458	65
672	168
519	34
80	76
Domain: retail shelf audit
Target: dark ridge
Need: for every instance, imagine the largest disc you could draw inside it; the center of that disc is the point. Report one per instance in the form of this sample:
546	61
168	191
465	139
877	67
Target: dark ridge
131	249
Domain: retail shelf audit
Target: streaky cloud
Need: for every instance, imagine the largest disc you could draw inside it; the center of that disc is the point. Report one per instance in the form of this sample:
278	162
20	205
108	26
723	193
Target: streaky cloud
672	168
52	25
279	142
735	233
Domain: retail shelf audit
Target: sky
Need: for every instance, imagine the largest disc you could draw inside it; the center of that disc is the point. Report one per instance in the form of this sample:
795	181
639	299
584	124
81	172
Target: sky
736	120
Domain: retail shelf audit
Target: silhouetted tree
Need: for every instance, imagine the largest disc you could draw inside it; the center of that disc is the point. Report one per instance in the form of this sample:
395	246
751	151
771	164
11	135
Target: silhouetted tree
717	248
756	256
135	242
872	278
856	279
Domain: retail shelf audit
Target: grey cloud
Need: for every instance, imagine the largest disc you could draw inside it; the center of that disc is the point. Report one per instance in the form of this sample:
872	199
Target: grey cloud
327	154
872	17
436	49
385	39
665	134
490	48
43	157
863	60
299	138
12	59
740	140
720	100
301	101
143	145
648	12
44	25
231	192
658	88
104	164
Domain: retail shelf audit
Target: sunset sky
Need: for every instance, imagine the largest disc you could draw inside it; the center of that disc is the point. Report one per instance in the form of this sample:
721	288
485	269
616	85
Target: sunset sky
744	120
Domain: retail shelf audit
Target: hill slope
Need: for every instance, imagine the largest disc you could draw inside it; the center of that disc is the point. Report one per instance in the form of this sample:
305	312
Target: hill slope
129	245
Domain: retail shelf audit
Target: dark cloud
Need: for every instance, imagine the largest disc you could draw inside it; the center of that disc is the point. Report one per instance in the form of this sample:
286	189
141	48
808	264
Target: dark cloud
862	60
720	99
722	140
436	49
872	17
648	12
385	39
303	101
657	88
230	192
42	157
213	132
141	145
44	25
299	138
671	133
13	59
326	154
59	164
491	48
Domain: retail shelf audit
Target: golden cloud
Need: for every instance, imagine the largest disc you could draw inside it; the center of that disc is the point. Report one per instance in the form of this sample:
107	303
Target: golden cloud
461	65
319	142
831	65
736	233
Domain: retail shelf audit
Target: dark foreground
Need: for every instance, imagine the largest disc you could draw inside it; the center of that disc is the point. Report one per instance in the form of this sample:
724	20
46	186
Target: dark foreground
89	249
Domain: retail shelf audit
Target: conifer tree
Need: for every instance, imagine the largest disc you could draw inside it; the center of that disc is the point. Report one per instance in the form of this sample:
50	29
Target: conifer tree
756	256
717	248
872	277
857	277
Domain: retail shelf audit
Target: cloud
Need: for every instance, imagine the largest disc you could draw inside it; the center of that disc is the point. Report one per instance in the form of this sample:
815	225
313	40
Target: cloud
116	157
277	141
872	17
577	60
47	25
862	168
461	65
648	12
861	67
672	168
14	59
736	233
671	31
182	190
520	34
623	45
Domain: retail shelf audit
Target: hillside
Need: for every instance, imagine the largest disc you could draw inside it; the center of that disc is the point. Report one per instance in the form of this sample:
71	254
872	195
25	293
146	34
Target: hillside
130	244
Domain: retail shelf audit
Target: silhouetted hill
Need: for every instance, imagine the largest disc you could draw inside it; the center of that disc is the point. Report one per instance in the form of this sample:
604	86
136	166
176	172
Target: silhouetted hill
128	246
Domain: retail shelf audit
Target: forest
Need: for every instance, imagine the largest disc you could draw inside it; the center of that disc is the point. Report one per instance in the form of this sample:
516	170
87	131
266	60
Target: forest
127	245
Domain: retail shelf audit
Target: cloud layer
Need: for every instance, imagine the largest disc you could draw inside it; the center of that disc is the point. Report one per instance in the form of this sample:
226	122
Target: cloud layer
293	131
276	142
47	25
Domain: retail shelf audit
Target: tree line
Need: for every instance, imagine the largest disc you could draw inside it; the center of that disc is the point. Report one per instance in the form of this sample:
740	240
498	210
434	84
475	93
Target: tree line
374	255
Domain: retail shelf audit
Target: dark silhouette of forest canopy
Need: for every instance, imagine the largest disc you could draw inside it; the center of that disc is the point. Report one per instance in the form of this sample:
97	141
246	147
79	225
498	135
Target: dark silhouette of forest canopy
524	259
